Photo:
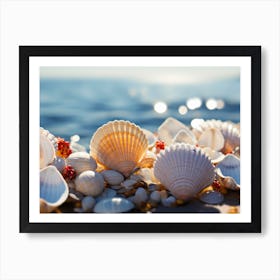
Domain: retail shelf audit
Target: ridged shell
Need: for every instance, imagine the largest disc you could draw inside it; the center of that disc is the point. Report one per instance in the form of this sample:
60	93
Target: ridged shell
212	138
112	177
119	145
212	197
169	129
148	160
53	188
230	167
47	152
50	136
81	161
90	183
113	205
185	136
215	156
184	170
229	130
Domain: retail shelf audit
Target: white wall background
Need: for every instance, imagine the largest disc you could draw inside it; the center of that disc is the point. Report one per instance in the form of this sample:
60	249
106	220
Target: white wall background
139	256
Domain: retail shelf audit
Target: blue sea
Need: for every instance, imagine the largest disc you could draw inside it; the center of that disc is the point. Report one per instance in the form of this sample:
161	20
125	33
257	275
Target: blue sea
80	106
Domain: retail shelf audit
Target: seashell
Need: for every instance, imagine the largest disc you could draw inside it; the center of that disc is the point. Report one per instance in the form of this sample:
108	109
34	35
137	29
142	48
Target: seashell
47	152
53	188
155	196
230	167
140	197
185	136
50	136
147	175
229	130
81	161
215	156
119	145
88	203
59	163
90	183
108	193
113	205
169	129
112	177
212	197
212	138
169	201
150	137
148	160
184	170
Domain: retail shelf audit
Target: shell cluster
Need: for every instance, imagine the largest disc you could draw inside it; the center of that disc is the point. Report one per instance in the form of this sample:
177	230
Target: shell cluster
131	169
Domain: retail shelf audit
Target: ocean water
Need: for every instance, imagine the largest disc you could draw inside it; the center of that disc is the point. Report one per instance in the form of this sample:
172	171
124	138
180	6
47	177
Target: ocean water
80	106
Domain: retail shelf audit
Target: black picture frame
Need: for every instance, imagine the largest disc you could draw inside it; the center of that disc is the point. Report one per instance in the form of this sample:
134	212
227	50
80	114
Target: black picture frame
254	52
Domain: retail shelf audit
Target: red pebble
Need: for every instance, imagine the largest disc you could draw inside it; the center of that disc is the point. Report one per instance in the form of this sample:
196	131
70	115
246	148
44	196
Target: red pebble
160	145
69	172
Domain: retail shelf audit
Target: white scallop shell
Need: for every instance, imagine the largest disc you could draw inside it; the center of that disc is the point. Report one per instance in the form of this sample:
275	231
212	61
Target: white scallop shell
113	205
53	188
119	145
212	197
50	136
215	156
81	161
229	167
185	136
184	170
47	152
229	130
112	177
90	183
212	138
169	129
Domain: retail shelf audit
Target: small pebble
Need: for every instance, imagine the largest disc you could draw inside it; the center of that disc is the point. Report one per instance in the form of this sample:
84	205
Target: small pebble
88	203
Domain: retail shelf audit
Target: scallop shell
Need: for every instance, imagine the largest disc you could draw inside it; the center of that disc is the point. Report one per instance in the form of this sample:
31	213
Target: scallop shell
212	138
112	177
90	183
169	129
81	161
119	145
53	188
47	152
215	156
185	136
229	168
229	130
50	136
113	205
212	197
184	170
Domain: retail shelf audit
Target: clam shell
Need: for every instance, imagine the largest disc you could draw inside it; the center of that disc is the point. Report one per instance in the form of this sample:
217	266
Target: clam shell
113	205
212	138
112	177
169	129
47	152
184	170
90	183
53	188
212	197
119	145
81	161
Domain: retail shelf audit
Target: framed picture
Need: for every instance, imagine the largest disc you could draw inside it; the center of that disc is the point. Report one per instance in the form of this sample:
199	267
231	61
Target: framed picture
140	138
